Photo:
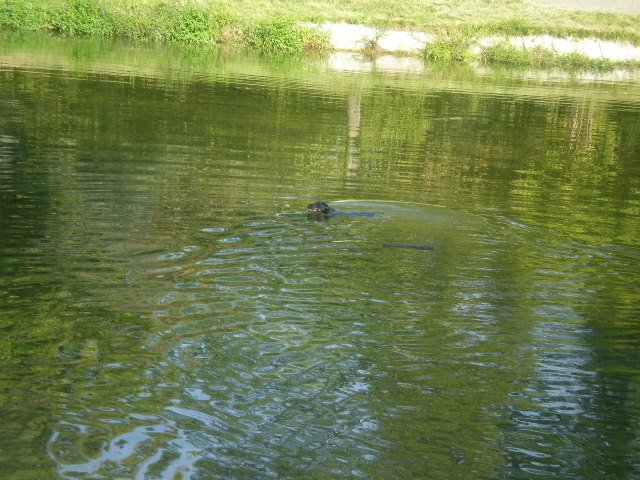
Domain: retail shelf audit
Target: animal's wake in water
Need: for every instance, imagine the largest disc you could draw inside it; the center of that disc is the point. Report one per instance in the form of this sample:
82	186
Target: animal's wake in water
429	248
321	210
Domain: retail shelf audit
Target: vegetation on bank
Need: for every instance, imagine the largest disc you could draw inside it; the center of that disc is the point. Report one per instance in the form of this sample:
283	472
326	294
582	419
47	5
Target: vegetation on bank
538	57
192	23
278	25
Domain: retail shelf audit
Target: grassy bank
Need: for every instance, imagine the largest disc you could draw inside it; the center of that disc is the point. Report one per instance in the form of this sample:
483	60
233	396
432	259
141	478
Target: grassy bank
275	25
189	23
506	54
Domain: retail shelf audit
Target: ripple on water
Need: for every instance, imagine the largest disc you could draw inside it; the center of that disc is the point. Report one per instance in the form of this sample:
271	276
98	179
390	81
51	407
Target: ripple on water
303	347
160	320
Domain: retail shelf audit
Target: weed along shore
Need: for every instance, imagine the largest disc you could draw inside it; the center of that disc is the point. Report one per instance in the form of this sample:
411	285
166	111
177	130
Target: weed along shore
518	32
534	50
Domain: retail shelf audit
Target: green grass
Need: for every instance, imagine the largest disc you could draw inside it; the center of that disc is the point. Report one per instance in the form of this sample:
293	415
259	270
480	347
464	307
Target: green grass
451	44
504	17
24	15
83	18
191	23
541	58
284	35
275	25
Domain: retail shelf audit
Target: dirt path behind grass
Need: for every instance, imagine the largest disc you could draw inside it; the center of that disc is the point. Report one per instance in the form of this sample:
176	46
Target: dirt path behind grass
614	6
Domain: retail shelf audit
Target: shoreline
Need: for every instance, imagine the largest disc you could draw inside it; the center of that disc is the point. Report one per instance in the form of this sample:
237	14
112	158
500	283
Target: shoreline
527	35
45	51
359	38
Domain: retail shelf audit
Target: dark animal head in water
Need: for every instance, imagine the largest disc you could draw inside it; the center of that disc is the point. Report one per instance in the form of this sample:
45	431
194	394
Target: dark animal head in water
320	207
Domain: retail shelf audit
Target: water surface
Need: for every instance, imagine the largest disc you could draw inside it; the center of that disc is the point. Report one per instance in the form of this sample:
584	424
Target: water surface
169	310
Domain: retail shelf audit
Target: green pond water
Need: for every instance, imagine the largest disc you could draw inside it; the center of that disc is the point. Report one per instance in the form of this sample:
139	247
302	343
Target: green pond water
168	309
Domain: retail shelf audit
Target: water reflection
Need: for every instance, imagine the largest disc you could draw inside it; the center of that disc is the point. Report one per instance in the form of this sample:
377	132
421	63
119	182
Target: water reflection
170	311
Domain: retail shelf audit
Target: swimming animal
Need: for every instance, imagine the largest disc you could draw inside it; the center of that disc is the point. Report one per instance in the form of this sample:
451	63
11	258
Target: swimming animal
321	207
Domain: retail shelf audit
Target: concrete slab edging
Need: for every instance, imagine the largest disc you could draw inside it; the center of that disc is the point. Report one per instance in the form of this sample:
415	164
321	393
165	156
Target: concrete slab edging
350	37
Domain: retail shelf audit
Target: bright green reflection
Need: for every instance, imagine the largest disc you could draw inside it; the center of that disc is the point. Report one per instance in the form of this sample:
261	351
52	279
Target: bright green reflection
168	310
